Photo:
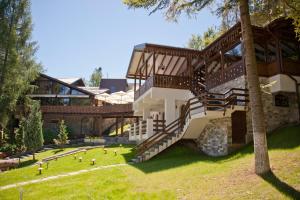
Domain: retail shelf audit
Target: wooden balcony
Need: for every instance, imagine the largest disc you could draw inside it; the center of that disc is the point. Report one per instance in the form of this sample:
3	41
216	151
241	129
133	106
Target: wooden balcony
163	81
109	110
222	76
264	69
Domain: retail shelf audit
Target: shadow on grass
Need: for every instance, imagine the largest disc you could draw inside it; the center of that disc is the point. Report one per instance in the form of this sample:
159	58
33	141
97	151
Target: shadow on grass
281	186
57	151
178	155
27	163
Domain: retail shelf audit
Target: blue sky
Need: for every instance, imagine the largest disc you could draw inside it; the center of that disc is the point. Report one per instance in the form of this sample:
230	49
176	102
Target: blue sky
75	36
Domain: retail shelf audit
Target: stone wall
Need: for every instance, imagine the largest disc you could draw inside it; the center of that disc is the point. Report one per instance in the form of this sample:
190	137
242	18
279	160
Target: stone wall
215	137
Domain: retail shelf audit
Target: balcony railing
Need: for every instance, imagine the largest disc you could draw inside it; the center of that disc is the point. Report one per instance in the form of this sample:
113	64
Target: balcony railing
163	81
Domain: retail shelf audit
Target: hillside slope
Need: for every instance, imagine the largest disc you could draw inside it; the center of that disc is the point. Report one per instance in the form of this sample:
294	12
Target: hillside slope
179	173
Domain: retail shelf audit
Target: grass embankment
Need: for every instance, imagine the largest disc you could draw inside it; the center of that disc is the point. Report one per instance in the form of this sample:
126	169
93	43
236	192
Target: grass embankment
179	173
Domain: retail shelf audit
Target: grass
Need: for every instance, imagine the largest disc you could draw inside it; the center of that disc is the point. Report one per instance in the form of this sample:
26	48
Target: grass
179	173
66	164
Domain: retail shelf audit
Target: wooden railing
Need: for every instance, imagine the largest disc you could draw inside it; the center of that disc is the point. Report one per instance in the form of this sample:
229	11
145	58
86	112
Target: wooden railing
158	125
163	81
206	101
235	70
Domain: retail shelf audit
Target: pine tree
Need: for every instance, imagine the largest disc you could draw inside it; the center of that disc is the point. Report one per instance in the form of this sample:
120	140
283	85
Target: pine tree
19	137
96	77
63	134
33	129
17	63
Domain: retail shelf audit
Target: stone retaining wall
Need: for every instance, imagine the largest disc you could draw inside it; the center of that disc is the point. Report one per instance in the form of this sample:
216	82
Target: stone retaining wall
217	135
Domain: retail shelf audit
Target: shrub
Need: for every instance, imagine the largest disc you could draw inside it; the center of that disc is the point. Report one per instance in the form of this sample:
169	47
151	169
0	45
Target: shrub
9	149
63	134
49	136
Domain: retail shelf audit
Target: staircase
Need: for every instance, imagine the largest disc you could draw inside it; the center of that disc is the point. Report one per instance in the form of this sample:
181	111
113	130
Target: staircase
197	112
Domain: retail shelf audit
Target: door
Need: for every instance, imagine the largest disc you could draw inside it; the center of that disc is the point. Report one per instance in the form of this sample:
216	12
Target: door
239	127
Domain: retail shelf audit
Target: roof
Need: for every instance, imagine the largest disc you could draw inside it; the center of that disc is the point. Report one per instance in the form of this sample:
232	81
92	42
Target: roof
73	81
94	90
66	84
167	60
146	57
114	85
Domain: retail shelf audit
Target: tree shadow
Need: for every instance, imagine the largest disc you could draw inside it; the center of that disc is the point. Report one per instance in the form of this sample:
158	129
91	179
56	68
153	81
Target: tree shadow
178	155
57	151
281	186
27	163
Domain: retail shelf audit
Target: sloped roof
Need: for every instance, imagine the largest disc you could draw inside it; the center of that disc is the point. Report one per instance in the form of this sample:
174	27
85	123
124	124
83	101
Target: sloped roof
114	84
73	81
66	84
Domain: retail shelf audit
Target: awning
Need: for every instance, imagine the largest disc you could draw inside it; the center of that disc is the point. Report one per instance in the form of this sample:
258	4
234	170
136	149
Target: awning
165	60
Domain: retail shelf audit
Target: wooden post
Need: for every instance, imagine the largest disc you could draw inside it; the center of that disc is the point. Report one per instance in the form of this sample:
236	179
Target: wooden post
134	83
140	80
163	121
122	124
154	64
117	126
156	123
278	56
189	66
222	65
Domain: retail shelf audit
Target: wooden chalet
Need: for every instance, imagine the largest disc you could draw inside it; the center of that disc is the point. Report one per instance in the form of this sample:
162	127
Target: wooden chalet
202	95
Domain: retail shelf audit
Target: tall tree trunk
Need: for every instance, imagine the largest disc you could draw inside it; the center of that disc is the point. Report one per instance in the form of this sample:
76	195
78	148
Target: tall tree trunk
262	164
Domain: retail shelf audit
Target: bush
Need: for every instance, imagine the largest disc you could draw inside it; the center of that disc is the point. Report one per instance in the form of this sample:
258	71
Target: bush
49	136
9	149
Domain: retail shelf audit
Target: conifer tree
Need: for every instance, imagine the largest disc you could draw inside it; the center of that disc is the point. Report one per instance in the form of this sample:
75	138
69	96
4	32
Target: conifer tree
33	129
18	67
63	134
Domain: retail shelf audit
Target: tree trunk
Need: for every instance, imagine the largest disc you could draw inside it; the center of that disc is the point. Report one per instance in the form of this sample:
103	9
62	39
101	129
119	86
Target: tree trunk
33	155
262	164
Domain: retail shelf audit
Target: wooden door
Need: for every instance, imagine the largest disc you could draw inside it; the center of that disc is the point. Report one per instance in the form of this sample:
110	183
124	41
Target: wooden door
239	127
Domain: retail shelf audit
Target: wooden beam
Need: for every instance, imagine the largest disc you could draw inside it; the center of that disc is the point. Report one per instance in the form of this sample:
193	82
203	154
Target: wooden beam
168	64
141	58
175	65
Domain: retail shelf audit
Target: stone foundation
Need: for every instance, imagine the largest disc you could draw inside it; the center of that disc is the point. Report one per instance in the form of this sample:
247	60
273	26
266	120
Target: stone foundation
215	137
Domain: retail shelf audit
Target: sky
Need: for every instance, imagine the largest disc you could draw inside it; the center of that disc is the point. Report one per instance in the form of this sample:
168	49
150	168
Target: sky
76	36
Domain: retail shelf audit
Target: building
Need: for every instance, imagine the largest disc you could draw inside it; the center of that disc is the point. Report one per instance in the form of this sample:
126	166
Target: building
70	100
114	84
202	95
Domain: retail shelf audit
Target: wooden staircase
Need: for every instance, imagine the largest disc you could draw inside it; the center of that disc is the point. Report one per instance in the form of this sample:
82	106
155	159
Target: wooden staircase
197	112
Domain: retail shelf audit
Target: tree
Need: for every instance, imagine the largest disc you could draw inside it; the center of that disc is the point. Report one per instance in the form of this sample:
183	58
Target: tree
18	67
174	9
96	77
63	134
19	138
33	137
199	42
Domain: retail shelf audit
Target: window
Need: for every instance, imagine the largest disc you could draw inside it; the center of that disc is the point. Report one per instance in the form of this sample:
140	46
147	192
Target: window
281	100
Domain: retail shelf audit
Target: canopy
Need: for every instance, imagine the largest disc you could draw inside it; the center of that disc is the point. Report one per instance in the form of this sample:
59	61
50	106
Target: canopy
165	60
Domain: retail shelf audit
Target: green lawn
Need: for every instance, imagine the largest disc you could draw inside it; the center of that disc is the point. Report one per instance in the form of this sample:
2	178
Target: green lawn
27	171
177	173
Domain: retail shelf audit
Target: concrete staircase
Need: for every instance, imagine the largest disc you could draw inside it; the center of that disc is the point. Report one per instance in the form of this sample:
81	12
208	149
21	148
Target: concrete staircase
197	113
